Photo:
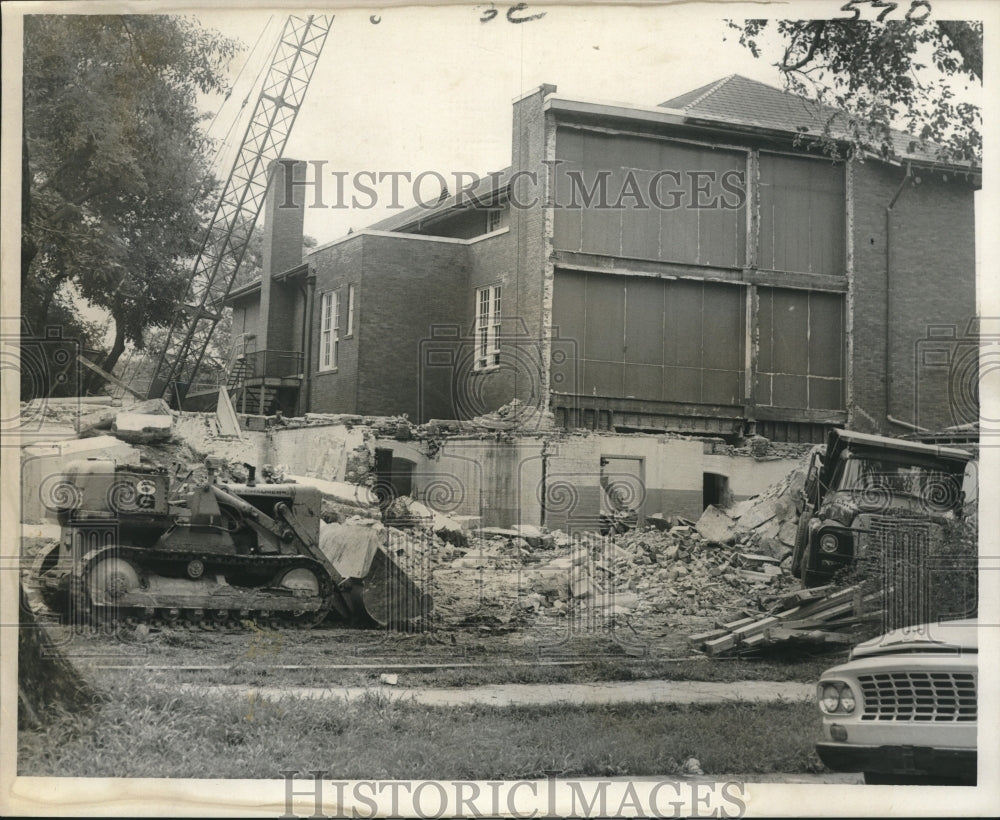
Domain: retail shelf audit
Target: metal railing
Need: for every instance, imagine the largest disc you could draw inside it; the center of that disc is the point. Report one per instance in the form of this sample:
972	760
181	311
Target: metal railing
273	364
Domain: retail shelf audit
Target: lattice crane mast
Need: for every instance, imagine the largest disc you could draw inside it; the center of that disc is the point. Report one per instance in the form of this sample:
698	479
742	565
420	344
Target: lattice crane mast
232	224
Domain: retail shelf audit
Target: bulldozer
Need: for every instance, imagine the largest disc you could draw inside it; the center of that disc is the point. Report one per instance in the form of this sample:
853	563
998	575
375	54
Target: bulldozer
136	545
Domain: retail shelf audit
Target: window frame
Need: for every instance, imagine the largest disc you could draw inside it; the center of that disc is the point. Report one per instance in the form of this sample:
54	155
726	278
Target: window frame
329	332
486	329
349	330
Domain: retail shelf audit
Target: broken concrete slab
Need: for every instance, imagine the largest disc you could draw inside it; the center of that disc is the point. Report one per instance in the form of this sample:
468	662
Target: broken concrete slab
760	512
97	422
535	536
142	428
715	526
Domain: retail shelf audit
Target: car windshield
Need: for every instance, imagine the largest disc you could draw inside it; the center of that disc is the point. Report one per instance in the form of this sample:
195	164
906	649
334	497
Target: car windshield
866	475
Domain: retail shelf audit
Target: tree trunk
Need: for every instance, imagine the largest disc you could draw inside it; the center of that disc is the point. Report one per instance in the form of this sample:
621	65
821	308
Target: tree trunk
94	381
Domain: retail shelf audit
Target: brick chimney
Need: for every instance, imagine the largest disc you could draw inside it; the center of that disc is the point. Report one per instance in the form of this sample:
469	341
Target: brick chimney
283	219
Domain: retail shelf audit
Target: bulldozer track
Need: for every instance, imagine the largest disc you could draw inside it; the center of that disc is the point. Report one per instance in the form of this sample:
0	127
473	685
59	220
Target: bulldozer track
230	609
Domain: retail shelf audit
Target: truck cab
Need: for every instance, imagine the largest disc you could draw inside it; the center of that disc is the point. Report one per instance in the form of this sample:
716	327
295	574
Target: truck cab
860	482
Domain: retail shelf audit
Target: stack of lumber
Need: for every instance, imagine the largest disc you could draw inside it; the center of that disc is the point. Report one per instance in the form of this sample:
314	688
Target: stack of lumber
808	616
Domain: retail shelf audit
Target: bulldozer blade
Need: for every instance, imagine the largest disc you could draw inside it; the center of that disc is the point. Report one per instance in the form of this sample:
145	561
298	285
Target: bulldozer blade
375	588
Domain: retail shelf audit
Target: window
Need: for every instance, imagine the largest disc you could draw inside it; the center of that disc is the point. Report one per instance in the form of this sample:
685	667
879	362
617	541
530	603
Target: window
487	327
329	339
493	220
350	311
800	359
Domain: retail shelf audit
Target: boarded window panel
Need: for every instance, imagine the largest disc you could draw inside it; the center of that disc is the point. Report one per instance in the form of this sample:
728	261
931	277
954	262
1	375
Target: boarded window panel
682	384
600	184
569	144
802	224
826	394
643	381
791	324
640	220
678	222
765	329
722	387
602	378
684	316
826	325
723	327
800	363
721	230
569	300
567	222
790	391
605	332
762	389
765	247
644	319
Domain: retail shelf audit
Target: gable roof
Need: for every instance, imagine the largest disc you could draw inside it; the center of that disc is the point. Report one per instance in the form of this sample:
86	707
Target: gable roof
739	100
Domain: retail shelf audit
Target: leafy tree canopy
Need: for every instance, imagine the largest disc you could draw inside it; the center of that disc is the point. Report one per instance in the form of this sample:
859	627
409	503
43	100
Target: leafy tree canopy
883	75
117	181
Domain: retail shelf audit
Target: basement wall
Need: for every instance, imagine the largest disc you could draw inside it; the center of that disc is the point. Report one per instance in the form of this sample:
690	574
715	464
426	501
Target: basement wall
549	481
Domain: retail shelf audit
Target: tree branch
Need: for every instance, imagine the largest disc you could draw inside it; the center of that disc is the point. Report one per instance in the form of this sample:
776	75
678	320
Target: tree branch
818	28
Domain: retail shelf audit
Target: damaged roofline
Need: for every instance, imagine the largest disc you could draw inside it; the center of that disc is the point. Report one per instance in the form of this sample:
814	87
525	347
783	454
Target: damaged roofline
671	116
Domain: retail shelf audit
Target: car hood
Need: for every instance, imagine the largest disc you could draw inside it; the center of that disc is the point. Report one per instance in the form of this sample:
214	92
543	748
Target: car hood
943	636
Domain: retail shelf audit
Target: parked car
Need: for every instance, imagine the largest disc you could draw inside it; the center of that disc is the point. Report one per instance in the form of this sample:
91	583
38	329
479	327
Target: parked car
863	483
902	710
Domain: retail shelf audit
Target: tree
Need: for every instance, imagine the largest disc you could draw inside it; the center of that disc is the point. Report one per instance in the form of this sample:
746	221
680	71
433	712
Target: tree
117	181
873	76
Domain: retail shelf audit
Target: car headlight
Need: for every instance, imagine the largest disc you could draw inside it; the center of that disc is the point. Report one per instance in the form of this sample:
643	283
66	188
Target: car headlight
830	698
828	542
836	698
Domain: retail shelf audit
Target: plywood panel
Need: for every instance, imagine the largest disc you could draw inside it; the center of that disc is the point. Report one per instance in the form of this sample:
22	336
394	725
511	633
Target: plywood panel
682	384
802	222
605	331
723	326
640	220
791	317
644	320
643	381
826	327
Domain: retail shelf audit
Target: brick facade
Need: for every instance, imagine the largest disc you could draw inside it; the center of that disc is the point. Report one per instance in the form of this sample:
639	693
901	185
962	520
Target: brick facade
817	340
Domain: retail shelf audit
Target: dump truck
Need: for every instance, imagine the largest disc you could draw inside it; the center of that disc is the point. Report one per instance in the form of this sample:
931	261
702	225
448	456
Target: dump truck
137	546
861	485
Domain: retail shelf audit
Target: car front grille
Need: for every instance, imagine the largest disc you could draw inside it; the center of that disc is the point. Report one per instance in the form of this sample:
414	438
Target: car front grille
945	697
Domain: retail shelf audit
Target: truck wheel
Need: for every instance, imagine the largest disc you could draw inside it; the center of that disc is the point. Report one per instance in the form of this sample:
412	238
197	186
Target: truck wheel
801	539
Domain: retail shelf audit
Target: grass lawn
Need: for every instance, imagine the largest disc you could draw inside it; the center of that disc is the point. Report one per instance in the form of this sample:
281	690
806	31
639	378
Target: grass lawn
151	732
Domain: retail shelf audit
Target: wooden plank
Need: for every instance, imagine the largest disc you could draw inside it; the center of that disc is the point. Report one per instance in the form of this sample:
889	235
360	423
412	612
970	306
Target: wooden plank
719	645
108	377
754	628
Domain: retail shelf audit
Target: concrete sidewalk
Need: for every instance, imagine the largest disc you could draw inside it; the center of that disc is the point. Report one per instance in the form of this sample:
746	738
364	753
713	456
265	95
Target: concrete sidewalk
538	694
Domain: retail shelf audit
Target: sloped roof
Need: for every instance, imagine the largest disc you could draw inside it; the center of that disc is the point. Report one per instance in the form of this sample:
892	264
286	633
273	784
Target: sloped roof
482	190
741	101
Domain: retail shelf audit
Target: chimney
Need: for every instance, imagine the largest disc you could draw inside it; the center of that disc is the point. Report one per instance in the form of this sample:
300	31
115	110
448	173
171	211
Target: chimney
283	219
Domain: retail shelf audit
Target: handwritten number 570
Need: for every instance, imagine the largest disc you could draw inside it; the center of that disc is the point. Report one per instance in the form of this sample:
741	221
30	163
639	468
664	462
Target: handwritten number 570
918	11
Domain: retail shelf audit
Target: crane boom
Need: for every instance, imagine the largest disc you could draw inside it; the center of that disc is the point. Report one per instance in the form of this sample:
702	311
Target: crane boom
232	224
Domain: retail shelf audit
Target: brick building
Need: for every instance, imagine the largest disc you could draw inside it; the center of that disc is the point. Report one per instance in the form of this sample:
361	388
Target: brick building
684	267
